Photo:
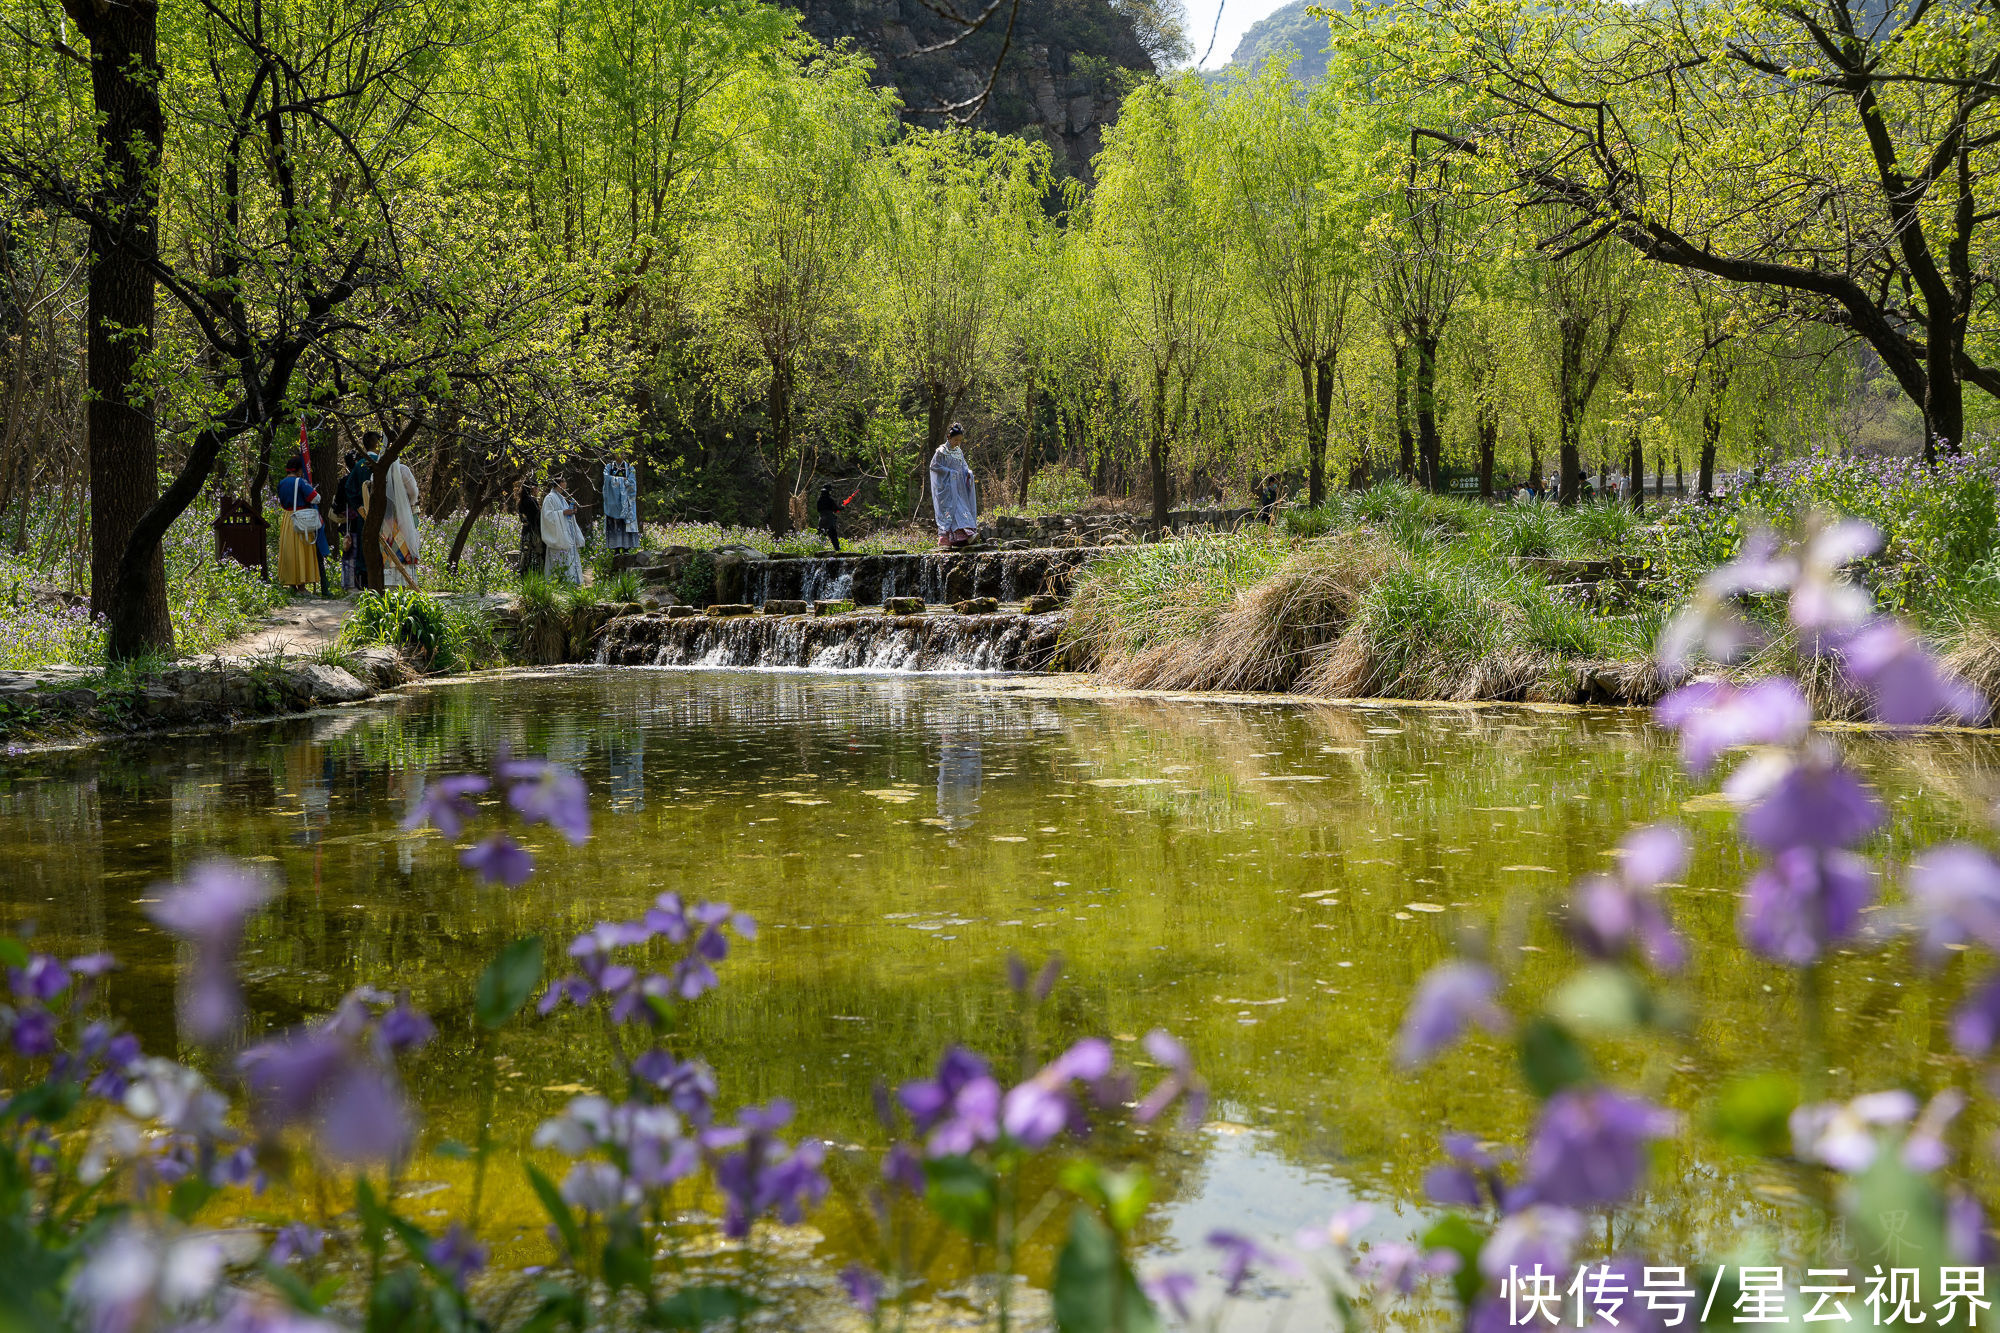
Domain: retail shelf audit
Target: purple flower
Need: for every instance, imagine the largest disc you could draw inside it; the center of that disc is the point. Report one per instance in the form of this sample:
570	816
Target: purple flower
1967	1239
41	980
498	859
1541	1235
34	1033
1399	1266
1977	1022
1844	1136
208	910
446	804
1450	996
597	1187
1240	1256
761	1176
959	1109
1812	802
357	1113
404	1029
901	1167
1041	1108
365	1118
1804	901
1174	1289
1180	1080
688	1086
457	1254
545	793
1451	1186
1908	686
296	1240
864	1288
1589	1147
1713	717
1340	1230
1955	889
1609	914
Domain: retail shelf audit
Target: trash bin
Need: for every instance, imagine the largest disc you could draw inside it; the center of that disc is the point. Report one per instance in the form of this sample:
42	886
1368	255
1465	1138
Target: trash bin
240	534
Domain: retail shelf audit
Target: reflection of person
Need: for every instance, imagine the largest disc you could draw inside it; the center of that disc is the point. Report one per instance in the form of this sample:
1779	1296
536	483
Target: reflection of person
302	536
621	507
562	535
958	781
954	496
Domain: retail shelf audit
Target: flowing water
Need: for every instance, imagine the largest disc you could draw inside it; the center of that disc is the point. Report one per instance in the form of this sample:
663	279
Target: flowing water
1266	881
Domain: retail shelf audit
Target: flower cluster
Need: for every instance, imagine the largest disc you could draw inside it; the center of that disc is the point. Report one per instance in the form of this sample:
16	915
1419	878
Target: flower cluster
538	792
337	1078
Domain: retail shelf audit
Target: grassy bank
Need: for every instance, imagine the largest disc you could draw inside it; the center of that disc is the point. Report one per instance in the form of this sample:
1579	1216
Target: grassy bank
1397	593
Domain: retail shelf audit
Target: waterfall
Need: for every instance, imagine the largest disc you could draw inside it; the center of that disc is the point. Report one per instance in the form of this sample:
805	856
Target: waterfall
1004	642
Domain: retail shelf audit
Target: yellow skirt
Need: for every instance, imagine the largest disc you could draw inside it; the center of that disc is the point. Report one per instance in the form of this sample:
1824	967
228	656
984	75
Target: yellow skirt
298	555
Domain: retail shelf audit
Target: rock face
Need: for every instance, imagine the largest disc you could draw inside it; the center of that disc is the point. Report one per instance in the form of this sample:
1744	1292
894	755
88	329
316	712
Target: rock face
1059	82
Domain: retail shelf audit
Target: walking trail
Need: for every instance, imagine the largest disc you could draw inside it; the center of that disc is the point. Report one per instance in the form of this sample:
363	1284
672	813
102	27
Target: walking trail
299	630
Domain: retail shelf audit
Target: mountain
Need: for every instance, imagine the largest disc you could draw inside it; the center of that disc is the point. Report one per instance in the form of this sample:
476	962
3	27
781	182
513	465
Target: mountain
1288	26
1061	81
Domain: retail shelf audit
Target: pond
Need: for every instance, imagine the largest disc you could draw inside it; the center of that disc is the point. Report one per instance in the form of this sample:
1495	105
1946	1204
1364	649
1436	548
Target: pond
1267	882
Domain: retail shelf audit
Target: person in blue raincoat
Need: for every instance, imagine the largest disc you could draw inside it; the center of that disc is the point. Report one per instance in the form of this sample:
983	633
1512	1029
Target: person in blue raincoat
621	507
954	496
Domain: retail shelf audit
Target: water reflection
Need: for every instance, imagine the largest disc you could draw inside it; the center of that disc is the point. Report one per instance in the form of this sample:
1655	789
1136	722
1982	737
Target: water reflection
1267	882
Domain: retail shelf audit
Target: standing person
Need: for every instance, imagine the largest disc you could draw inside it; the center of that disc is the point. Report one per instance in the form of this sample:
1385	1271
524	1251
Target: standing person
563	536
301	536
353	497
829	516
402	539
1267	500
534	553
621	507
954	495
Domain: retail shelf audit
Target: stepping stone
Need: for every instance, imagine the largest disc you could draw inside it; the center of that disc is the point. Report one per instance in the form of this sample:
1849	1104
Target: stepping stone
785	606
837	608
1040	604
903	606
680	612
977	606
724	609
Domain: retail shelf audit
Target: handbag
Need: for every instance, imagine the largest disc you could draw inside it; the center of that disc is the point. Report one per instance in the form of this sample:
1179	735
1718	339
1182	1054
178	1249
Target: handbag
306	519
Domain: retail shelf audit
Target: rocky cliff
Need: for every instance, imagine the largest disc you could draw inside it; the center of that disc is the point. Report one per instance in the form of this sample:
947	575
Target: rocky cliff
1060	82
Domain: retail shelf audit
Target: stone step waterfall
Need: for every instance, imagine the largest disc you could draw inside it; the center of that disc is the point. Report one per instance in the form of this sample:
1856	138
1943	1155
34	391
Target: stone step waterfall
1008	641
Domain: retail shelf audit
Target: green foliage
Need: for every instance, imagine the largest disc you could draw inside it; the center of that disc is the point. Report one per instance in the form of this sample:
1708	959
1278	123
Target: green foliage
508	981
696	586
1165	591
410	620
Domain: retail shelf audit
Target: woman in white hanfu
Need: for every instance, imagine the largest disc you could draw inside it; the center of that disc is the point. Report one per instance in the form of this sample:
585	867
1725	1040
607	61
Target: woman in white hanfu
954	496
563	537
402	539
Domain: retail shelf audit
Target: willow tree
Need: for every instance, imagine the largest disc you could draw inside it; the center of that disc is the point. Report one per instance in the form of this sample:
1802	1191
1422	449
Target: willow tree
1838	154
1163	242
778	255
1288	171
950	210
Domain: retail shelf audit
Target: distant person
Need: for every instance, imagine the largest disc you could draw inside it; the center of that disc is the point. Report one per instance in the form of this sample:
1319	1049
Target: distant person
954	495
621	507
829	516
563	536
534	552
401	538
1267	499
302	536
351	508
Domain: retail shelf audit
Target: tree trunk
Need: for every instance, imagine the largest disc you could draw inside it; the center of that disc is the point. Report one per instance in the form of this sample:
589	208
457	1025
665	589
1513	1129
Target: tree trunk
1027	447
937	416
1680	477
1711	435
1156	451
1635	473
476	505
1323	400
1430	449
1315	438
1405	443
1489	440
778	402
124	453
1535	466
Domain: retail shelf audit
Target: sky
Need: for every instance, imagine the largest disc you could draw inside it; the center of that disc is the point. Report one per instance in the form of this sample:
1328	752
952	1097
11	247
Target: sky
1237	15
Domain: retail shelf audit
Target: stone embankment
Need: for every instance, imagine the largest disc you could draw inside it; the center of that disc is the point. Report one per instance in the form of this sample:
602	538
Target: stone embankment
72	702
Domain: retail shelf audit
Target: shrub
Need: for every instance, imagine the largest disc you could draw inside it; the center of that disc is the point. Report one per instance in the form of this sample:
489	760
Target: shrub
1057	490
409	620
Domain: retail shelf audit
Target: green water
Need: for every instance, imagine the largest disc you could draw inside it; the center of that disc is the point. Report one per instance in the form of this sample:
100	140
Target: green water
1268	882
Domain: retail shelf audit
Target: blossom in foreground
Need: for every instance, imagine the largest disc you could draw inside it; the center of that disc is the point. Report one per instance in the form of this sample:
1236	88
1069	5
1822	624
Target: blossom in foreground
1542	1234
1609	915
1396	1265
1955	891
1845	1136
208	909
1035	1111
1811	800
959	1109
1589	1147
1714	717
1976	1025
1449	998
760	1176
1181	1081
544	793
139	1276
1175	1289
1803	902
499	860
446	804
458	1255
864	1288
1906	684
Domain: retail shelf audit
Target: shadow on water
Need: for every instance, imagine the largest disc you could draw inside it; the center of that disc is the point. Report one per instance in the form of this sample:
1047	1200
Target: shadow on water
1267	882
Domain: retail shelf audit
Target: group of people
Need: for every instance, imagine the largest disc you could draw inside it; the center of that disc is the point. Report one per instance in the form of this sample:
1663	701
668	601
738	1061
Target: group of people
304	544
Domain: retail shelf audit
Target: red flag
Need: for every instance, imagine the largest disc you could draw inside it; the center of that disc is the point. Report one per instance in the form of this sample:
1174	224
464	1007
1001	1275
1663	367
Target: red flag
305	452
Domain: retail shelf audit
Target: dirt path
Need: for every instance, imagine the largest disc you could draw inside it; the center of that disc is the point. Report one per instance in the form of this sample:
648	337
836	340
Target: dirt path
298	630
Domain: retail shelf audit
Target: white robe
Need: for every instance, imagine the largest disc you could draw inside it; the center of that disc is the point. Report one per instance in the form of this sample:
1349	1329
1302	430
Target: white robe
562	536
402	538
954	497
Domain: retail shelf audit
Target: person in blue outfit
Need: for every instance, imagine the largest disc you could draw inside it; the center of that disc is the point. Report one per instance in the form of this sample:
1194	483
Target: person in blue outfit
302	535
954	495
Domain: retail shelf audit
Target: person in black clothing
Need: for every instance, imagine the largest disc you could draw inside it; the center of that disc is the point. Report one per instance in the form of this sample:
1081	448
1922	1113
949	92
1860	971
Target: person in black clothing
533	552
349	495
1267	499
829	516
